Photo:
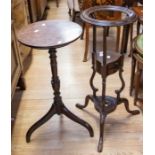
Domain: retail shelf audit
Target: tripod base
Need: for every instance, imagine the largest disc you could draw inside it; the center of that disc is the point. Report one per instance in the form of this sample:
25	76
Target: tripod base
57	109
110	105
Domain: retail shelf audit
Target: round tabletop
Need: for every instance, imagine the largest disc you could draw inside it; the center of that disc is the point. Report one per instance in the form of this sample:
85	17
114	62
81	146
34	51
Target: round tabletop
139	44
49	34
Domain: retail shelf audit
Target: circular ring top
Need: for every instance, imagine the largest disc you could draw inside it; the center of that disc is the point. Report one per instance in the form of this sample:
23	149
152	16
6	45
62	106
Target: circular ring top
130	16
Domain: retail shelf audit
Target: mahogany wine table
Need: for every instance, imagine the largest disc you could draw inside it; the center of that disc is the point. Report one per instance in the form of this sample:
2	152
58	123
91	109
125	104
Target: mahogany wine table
52	34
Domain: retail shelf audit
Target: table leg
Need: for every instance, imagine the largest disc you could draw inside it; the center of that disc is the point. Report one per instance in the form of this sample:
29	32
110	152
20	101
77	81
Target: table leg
57	107
101	137
43	120
125	37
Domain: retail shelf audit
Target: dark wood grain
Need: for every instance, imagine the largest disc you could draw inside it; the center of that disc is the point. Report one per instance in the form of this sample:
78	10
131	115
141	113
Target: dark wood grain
49	34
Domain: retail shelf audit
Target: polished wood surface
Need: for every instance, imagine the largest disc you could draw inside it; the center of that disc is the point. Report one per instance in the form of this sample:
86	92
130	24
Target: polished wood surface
49	34
113	61
61	136
41	38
